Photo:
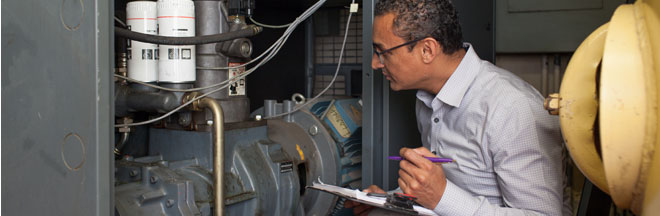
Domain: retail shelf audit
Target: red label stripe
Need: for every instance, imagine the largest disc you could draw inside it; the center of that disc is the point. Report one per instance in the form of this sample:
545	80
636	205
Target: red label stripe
186	17
141	19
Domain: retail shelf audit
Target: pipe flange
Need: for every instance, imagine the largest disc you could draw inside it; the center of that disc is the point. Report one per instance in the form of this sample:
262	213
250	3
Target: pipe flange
192	96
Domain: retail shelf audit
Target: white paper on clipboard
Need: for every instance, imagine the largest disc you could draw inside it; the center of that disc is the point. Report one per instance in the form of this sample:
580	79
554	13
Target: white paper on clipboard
359	196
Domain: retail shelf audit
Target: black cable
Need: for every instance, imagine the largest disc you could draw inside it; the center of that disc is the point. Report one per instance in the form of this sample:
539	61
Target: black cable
251	30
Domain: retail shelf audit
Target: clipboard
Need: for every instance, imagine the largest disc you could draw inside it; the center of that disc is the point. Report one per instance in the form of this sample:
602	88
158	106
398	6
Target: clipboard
362	197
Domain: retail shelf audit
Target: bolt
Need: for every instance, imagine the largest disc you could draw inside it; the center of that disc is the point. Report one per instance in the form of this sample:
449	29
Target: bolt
552	104
313	130
153	179
169	203
183	121
246	49
133	173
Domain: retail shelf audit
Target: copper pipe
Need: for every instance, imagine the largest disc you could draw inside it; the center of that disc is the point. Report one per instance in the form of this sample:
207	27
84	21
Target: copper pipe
218	151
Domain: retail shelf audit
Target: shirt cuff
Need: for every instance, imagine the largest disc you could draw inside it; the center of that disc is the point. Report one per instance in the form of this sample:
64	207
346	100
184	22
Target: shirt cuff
456	201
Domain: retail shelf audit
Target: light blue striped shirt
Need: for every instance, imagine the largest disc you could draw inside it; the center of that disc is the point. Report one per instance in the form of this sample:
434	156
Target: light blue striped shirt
506	146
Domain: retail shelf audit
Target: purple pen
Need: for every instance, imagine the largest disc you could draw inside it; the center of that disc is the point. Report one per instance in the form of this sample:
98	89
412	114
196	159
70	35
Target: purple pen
432	159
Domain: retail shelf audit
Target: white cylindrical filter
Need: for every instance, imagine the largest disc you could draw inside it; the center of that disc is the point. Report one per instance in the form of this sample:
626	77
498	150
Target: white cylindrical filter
142	57
176	18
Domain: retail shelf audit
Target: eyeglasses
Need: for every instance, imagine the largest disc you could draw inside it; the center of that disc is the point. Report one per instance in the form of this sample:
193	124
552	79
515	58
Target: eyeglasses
380	54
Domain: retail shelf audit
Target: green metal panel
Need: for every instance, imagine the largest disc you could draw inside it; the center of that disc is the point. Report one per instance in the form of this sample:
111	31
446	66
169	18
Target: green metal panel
552	5
548	26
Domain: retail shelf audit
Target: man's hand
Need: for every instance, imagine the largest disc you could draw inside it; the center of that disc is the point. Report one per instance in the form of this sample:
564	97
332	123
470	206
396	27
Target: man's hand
363	209
420	177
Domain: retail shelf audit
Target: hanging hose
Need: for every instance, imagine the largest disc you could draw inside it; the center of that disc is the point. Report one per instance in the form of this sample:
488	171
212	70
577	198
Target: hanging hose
121	143
206	39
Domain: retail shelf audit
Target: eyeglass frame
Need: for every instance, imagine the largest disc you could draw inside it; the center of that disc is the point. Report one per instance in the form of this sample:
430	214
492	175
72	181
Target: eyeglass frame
380	54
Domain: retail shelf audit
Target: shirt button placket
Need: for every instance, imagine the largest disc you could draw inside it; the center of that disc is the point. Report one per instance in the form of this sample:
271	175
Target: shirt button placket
437	147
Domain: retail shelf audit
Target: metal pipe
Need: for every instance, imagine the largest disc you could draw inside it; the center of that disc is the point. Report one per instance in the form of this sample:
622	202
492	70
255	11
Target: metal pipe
130	100
120	144
218	151
210	21
238	48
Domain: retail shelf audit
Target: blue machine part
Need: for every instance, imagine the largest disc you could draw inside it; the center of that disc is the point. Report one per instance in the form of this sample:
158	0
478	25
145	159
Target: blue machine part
342	116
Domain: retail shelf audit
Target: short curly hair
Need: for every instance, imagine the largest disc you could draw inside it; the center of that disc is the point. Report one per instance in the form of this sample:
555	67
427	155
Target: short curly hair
417	19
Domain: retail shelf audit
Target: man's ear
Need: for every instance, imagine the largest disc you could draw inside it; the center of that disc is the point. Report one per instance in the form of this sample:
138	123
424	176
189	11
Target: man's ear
430	49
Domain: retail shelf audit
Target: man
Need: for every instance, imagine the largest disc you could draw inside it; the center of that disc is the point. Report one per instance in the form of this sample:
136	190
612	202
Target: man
507	149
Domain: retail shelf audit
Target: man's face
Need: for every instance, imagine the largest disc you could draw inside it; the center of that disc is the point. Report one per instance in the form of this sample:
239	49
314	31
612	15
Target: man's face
399	66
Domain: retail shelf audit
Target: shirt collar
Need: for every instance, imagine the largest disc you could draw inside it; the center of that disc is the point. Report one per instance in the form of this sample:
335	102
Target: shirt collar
453	91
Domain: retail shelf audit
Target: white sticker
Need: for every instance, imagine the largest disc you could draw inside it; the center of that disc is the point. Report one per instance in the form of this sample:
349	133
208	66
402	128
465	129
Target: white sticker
238	87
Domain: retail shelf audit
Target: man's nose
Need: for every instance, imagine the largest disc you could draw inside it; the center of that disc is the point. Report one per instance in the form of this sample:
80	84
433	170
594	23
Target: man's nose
375	62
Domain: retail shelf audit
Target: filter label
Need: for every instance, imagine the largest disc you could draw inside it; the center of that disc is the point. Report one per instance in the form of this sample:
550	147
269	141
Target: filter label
179	53
147	54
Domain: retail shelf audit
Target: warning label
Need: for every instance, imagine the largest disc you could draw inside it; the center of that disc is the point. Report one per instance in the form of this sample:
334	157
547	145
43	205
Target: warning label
238	87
